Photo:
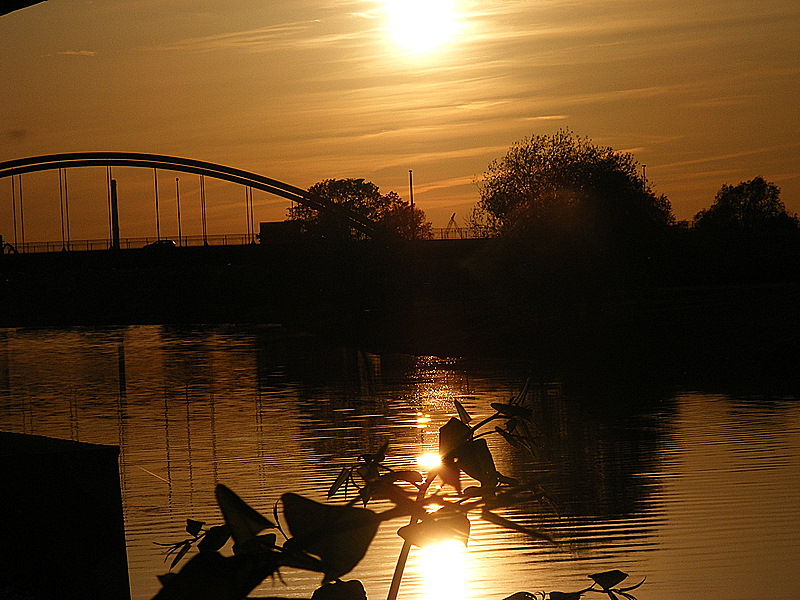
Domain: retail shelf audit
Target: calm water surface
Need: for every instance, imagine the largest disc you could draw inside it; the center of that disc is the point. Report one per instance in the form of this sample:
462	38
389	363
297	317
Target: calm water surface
697	492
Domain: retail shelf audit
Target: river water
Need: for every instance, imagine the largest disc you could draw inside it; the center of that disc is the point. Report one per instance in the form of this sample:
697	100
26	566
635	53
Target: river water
697	492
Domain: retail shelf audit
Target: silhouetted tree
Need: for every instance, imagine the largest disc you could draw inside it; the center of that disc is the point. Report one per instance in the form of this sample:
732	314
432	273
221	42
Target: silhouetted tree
566	186
389	211
751	207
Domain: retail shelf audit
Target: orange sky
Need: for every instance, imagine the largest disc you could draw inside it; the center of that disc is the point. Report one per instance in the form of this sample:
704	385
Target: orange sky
704	93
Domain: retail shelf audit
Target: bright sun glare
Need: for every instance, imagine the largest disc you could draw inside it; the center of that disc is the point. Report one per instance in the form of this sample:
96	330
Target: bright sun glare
431	460
421	25
444	571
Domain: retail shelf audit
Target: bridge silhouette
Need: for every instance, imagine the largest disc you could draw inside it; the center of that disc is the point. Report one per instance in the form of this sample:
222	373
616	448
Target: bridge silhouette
68	160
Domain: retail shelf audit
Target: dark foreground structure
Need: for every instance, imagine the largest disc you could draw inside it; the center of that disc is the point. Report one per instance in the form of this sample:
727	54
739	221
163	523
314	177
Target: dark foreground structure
63	528
685	305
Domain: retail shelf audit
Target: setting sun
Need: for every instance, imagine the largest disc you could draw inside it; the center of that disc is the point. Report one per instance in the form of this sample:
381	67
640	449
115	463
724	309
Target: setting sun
421	25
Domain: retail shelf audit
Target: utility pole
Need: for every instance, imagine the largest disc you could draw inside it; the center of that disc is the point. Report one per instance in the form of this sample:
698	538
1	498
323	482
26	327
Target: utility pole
411	197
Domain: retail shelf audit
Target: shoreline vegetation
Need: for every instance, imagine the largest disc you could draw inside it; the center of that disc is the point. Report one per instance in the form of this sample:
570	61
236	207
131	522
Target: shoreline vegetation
689	308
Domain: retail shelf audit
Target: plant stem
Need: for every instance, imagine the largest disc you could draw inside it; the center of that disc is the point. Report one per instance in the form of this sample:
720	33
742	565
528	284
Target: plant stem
394	588
402	558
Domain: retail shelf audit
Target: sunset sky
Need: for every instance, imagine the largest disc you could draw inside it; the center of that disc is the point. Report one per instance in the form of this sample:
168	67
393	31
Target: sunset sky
704	93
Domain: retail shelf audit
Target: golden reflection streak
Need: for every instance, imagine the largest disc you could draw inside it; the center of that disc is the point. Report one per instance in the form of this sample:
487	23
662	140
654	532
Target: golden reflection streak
444	570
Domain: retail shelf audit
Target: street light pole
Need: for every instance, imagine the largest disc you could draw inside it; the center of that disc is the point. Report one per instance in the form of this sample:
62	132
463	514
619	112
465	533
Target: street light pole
411	198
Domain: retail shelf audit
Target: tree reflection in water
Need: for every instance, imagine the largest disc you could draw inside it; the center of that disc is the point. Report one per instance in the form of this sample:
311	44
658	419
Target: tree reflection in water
643	479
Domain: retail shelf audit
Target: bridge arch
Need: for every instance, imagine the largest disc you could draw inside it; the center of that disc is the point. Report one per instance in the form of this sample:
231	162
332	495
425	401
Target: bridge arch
184	165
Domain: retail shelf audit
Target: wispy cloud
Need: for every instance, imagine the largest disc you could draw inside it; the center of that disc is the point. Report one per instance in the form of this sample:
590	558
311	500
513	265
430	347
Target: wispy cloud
732	155
243	39
313	33
720	102
546	118
446	184
74	53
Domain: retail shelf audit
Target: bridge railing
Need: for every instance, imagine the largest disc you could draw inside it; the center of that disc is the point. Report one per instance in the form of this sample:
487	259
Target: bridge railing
455	233
233	239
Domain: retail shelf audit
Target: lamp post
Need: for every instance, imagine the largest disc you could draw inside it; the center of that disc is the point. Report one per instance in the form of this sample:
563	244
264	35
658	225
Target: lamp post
411	198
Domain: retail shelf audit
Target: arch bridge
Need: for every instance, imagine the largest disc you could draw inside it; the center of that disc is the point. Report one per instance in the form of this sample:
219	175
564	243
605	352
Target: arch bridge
21	166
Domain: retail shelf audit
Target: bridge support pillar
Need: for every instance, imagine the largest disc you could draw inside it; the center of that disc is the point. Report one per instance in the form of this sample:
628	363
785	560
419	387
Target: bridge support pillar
114	216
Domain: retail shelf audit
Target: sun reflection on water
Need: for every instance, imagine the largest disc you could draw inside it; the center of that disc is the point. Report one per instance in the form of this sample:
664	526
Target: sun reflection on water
444	571
429	460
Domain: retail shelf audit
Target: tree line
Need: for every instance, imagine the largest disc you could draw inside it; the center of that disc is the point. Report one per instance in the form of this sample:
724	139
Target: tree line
561	188
561	182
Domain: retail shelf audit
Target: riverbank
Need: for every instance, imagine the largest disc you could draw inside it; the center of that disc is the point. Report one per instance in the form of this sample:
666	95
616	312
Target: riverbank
446	298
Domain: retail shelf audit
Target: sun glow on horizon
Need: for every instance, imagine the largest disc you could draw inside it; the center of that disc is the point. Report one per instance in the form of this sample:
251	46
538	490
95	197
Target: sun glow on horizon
420	26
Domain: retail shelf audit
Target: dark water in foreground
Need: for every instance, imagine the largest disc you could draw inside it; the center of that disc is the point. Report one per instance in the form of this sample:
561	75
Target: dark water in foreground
697	491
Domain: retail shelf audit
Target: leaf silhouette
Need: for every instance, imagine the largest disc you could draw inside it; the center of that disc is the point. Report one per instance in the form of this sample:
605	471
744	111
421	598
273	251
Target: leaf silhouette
633	587
340	480
472	491
341	590
338	535
512	410
450	473
436	529
451	435
377	457
474	458
214	539
184	548
194	527
608	579
503	522
462	413
509	437
524	596
211	576
409	476
243	521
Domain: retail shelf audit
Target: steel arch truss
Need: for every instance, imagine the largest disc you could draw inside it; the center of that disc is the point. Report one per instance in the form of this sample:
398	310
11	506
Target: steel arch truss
184	165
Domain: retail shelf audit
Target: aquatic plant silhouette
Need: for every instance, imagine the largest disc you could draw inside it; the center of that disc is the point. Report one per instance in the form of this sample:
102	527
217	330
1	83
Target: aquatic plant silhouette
605	580
332	539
